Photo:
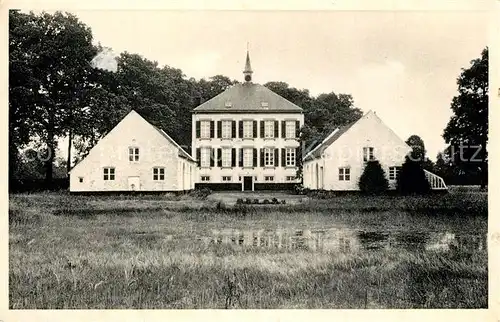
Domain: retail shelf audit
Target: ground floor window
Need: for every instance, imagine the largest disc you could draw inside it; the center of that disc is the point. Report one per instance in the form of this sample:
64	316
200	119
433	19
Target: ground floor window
158	173
268	178
290	178
205	157
109	174
226	178
290	157
268	157
205	178
344	174
394	172
247	157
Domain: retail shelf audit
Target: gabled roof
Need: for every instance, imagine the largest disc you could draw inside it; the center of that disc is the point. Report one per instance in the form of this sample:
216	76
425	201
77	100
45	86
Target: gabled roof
337	134
182	153
334	136
247	97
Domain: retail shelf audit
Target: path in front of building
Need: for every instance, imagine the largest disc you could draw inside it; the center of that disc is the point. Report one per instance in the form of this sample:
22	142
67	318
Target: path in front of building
230	197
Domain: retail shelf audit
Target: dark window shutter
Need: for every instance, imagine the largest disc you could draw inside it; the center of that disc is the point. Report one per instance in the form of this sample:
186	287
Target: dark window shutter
219	157
233	157
198	156
276	129
276	153
283	157
212	157
262	157
219	129
297	155
254	129
297	129
241	157
197	129
240	129
261	129
233	129
283	129
212	129
255	158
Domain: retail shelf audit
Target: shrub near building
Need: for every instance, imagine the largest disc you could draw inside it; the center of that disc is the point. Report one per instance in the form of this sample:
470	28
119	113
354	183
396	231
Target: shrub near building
373	180
411	179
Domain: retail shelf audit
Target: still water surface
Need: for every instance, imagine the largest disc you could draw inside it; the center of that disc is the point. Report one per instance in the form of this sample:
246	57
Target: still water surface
336	239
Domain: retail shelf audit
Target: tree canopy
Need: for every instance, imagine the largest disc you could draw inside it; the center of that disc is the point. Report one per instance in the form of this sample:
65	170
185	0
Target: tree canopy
467	131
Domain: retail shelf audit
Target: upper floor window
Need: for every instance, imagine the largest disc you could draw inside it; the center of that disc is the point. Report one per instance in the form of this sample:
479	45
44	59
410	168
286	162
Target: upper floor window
394	172
247	157
205	178
268	157
133	154
247	129
205	157
109	173
264	104
290	157
344	174
228	104
158	173
290	129
226	157
368	154
269	129
268	178
205	129
226	129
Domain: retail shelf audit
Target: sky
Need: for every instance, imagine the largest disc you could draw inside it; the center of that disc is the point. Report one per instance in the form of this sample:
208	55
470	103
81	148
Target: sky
402	65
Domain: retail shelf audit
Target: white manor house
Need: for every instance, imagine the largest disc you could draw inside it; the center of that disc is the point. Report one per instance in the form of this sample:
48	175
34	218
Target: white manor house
246	138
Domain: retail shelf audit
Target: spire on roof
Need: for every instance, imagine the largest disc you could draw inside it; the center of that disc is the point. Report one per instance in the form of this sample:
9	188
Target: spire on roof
248	68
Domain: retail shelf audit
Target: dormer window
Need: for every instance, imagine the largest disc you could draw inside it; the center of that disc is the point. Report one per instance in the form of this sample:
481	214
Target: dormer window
228	104
264	104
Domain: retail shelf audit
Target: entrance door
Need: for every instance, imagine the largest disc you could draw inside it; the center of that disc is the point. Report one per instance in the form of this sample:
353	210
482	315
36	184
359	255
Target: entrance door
247	183
134	183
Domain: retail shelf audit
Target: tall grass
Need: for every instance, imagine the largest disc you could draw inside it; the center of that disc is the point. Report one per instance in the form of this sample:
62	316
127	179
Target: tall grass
105	252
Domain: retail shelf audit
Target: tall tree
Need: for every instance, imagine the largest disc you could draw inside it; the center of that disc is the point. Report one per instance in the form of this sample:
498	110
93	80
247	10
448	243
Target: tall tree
22	86
467	130
57	54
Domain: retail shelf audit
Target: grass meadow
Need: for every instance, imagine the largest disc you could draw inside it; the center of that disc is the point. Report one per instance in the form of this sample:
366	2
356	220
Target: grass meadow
97	252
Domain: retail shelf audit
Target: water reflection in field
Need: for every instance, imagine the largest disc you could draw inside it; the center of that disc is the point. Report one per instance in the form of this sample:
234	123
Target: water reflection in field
349	240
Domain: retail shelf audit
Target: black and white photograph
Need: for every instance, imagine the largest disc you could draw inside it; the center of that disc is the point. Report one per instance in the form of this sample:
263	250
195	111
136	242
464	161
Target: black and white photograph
248	159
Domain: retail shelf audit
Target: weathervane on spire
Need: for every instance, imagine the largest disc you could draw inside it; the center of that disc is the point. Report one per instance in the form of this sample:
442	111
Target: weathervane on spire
248	68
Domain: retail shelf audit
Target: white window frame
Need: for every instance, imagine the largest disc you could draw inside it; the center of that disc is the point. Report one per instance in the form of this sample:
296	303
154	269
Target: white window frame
269	178
247	157
204	129
226	157
205	155
394	172
205	178
227	128
368	153
268	157
290	129
247	129
109	173
158	174
269	129
290	157
133	154
344	174
226	178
